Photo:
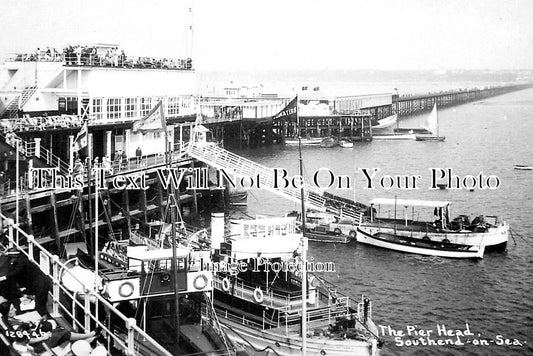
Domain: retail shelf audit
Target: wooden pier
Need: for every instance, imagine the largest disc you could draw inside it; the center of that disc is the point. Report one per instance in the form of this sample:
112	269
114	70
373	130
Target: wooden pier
58	216
405	105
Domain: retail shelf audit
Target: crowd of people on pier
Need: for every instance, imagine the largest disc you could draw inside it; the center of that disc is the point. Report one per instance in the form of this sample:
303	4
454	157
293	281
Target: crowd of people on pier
45	122
109	57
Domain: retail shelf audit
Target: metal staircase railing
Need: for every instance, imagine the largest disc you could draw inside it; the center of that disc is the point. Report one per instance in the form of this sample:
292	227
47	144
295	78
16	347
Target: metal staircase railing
238	166
52	160
29	149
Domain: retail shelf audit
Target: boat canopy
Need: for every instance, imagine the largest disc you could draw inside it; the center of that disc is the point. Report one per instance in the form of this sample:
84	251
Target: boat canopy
410	202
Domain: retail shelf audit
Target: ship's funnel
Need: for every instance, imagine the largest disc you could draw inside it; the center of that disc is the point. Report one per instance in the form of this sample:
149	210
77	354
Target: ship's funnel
217	230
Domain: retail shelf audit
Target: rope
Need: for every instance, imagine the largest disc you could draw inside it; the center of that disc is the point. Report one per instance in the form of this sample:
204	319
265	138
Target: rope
522	237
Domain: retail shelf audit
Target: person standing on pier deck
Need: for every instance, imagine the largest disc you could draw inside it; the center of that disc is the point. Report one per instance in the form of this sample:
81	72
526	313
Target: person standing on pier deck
27	274
139	154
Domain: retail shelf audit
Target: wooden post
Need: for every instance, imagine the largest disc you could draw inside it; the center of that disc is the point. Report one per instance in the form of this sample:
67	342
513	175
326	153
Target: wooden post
143	205
54	218
82	219
195	201
160	200
126	206
28	213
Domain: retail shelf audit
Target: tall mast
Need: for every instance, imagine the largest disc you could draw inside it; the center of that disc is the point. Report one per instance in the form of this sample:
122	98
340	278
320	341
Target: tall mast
172	201
304	250
436	113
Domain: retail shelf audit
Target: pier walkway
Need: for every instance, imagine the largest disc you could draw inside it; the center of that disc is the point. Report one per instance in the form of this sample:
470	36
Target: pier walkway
411	104
241	167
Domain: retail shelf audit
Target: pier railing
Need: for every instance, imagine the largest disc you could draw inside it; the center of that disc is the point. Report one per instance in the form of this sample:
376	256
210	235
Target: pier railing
132	341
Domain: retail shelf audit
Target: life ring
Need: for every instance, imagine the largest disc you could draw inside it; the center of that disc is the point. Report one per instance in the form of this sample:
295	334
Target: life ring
165	278
258	295
337	231
313	282
225	284
445	241
426	238
126	289
200	282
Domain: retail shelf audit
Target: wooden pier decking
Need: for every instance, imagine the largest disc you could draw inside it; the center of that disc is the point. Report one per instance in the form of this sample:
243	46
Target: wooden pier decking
405	105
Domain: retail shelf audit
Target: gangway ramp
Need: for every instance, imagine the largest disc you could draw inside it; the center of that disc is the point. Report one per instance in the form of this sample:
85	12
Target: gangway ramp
240	167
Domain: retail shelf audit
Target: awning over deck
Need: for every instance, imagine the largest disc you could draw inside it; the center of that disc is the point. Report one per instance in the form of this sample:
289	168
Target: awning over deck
410	202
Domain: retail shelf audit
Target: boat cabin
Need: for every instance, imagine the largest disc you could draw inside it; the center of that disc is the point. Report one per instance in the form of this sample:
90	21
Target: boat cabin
149	273
264	237
379	209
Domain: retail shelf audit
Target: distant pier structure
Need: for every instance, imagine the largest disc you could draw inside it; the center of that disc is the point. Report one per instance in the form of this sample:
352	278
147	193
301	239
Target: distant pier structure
405	105
250	121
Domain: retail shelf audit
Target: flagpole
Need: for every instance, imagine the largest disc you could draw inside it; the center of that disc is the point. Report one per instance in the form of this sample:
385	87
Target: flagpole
96	253
297	119
304	253
173	207
17	188
304	243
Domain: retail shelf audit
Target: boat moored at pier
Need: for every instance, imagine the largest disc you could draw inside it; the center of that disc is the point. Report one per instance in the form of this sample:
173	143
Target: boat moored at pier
261	306
482	231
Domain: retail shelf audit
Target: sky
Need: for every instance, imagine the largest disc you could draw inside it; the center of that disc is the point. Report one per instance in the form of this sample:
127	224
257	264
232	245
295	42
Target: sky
290	34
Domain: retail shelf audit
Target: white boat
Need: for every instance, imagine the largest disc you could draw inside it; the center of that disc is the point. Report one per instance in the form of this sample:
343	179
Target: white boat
263	309
386	122
395	136
432	125
305	141
486	231
400	243
346	143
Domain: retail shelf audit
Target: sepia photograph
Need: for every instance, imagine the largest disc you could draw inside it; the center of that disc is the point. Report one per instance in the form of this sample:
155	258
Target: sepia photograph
270	178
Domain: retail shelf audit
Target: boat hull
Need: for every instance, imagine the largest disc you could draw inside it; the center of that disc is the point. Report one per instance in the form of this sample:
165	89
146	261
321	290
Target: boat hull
374	239
430	138
278	344
494	238
305	141
344	239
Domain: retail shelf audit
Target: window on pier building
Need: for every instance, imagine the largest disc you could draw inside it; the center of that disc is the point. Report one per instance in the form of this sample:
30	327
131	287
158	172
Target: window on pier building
131	107
173	105
96	111
146	105
114	108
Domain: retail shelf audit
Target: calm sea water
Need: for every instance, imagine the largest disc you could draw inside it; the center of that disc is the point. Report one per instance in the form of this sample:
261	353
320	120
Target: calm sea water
493	296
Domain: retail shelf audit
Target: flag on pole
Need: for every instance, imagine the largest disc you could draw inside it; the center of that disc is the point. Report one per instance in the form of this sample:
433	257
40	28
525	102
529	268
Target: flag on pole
289	111
154	121
81	138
